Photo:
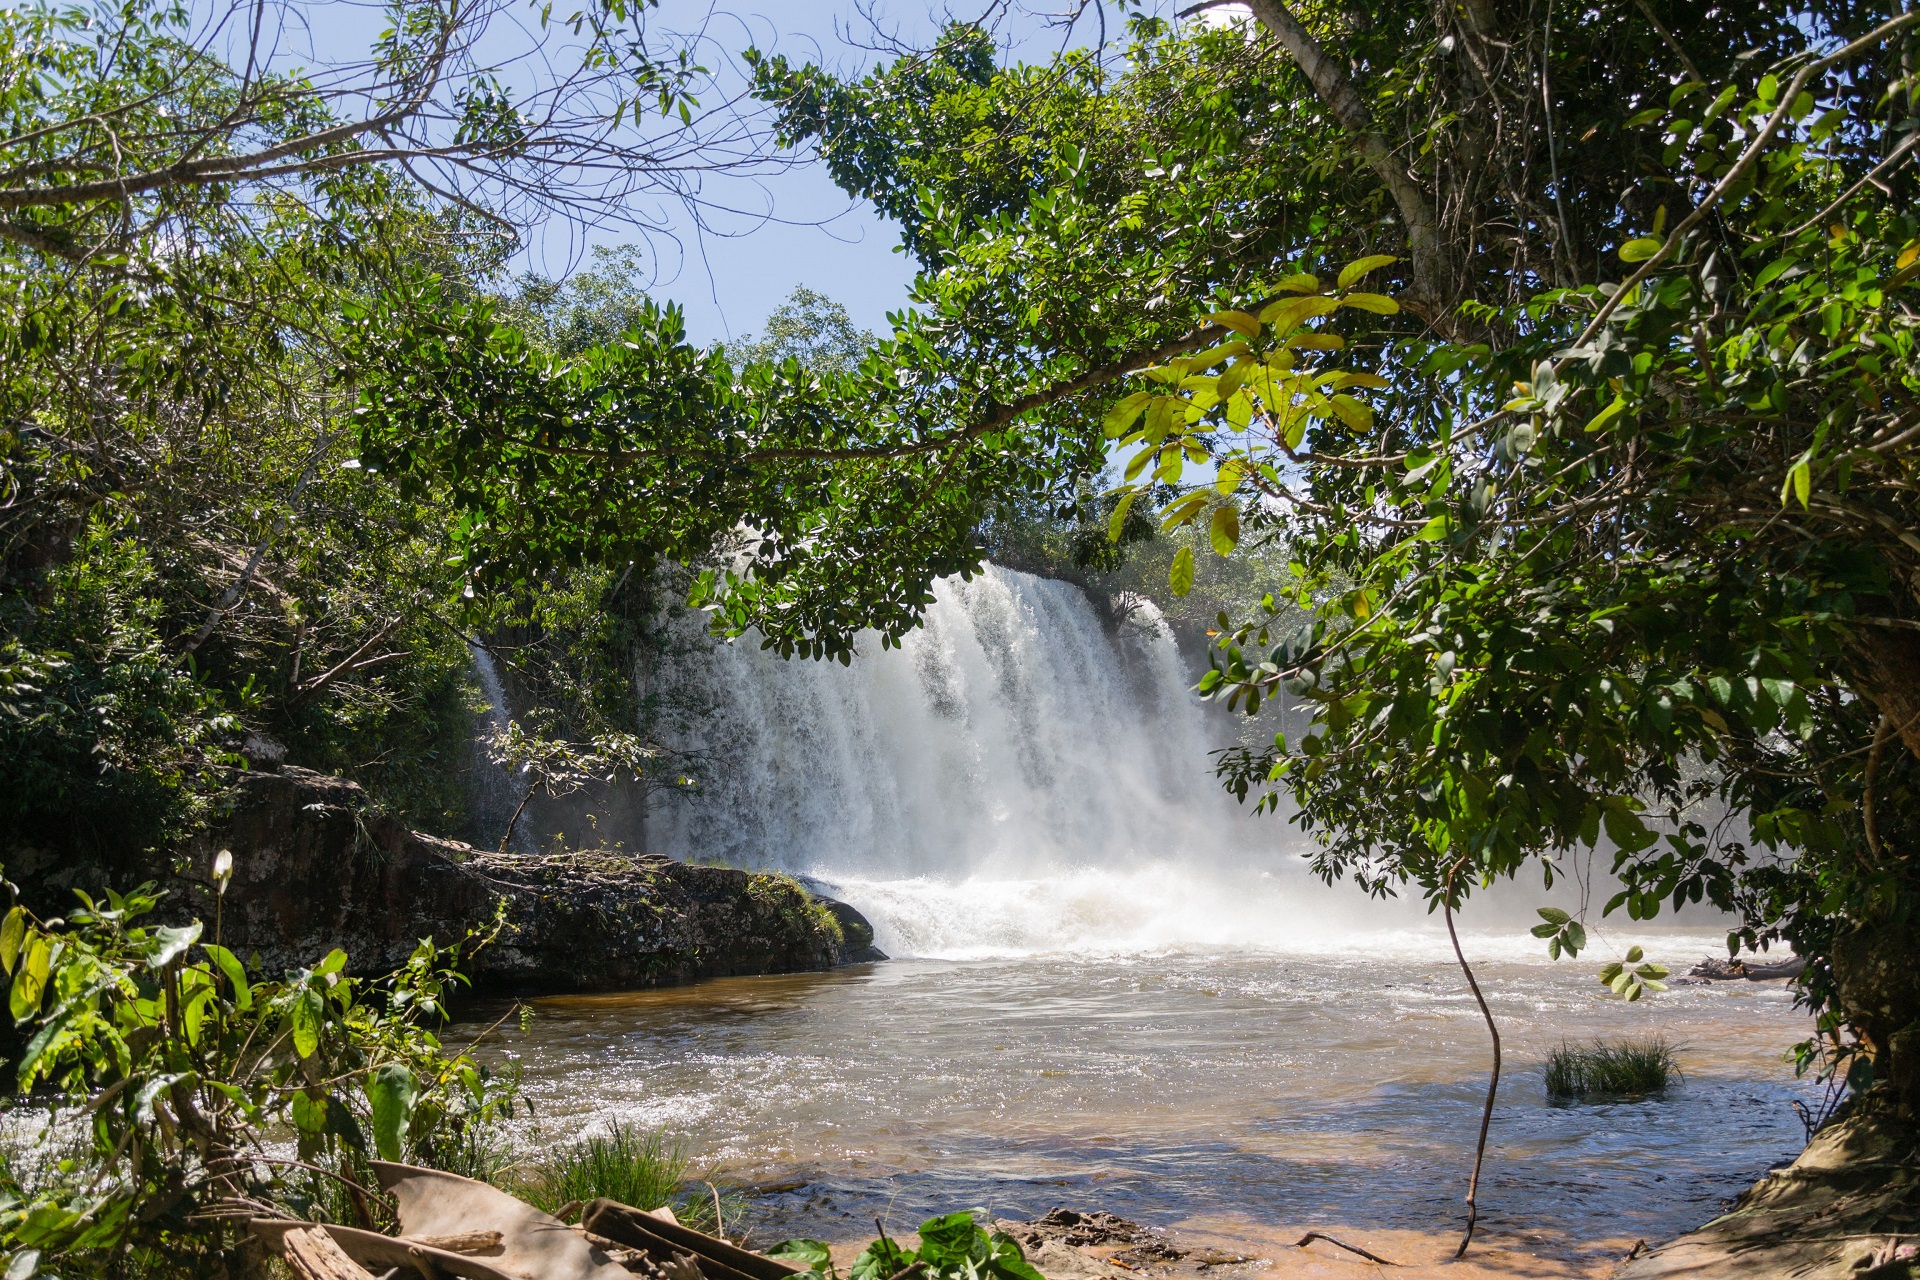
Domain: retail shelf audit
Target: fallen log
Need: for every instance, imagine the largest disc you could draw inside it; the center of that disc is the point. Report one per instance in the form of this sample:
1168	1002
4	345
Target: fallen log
664	1240
313	1255
371	1250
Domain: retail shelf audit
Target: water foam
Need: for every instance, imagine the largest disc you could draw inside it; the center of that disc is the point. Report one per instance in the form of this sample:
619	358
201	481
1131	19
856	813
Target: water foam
1017	779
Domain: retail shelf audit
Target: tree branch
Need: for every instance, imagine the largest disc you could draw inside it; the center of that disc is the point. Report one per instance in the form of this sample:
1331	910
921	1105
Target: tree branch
1432	278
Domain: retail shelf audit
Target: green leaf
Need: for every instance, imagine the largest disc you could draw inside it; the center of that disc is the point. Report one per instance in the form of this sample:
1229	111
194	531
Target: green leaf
1124	413
1639	250
1601	419
951	1240
1240	322
306	1016
391	1092
171	942
1553	915
813	1255
1635	955
1576	938
1118	520
1180	576
1301	282
880	1260
1611	971
30	982
1799	483
1354	270
1544	930
12	933
1378	303
1225	532
24	1265
1182	510
309	1113
236	974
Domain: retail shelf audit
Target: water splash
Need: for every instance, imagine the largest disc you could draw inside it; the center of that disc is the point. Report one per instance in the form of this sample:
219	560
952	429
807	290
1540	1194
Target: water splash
1016	777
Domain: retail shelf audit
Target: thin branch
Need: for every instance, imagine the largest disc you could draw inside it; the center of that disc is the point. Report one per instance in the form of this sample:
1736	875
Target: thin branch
1493	1082
1740	170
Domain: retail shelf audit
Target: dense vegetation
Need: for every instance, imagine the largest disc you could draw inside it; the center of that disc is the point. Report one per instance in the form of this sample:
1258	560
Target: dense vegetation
1570	362
1551	372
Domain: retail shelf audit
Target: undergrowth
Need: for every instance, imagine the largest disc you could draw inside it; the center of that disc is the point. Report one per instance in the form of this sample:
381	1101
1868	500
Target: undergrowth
642	1168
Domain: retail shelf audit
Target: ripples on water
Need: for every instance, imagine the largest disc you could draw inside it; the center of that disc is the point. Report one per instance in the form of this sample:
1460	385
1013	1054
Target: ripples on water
1343	1086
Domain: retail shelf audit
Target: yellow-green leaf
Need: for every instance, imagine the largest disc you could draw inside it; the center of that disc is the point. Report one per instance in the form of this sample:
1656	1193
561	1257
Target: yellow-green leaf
1182	511
1180	576
1229	476
1601	419
12	934
1214	355
30	980
1639	250
1799	483
1137	464
1378	303
1433	530
1225	532
1316	342
1373	380
1301	282
1239	321
1373	262
1230	380
1289	313
1124	413
1908	256
1352	412
1118	520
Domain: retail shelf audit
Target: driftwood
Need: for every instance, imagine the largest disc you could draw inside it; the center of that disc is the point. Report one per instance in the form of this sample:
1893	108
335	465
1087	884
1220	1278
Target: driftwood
1311	1236
666	1241
313	1255
379	1253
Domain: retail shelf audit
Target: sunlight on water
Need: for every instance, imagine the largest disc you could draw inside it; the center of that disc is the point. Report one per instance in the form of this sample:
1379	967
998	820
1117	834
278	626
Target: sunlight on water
1111	987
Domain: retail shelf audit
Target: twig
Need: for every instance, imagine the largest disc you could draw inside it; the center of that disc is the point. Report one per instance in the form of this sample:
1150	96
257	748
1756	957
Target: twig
1493	1082
1311	1236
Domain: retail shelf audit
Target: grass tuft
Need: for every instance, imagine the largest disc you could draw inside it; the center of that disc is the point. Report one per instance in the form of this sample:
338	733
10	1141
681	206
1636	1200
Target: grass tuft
1621	1068
639	1168
642	1169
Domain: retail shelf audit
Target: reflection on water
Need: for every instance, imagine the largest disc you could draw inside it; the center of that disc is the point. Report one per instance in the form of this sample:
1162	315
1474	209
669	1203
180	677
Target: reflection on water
1178	1088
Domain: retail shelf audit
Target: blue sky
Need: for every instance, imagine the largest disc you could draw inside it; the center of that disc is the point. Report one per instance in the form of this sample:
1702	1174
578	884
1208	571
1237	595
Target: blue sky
802	230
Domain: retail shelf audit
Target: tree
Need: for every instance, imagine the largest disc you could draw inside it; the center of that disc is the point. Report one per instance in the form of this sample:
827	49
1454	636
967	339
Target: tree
1568	355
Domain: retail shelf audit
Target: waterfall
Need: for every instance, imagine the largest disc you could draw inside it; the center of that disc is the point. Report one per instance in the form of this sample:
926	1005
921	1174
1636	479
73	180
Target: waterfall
496	792
1015	778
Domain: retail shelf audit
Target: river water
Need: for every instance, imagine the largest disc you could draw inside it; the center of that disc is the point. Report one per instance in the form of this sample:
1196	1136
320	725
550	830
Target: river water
1112	989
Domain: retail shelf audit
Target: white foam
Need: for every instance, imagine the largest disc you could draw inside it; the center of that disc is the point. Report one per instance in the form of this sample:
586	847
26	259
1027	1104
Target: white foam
1020	779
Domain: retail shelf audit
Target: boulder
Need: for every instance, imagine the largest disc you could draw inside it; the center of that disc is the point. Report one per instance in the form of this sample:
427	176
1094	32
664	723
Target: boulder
315	868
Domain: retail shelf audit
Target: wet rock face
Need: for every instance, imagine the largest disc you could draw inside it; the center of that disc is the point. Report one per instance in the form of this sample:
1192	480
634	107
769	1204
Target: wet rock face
313	869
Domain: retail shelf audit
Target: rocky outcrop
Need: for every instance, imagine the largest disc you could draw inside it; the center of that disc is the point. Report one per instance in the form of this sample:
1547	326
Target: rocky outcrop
314	869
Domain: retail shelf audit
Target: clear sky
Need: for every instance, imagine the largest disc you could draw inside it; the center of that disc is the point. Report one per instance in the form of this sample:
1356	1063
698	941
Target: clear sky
794	227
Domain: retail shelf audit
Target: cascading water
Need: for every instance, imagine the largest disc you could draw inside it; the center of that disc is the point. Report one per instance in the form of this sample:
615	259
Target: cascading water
1017	777
496	792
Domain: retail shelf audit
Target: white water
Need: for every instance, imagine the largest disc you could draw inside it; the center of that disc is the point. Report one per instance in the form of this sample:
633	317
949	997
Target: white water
1015	780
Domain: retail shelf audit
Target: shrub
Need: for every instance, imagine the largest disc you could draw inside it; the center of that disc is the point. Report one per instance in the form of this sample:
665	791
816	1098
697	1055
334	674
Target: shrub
1623	1067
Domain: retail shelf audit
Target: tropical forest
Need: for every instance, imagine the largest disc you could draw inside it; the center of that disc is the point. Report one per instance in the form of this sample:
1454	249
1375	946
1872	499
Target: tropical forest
996	640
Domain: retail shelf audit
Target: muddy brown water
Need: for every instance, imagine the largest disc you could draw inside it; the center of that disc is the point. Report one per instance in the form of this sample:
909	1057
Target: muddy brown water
1231	1095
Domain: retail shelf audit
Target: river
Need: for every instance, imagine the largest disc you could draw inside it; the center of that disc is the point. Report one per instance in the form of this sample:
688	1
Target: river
1112	989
